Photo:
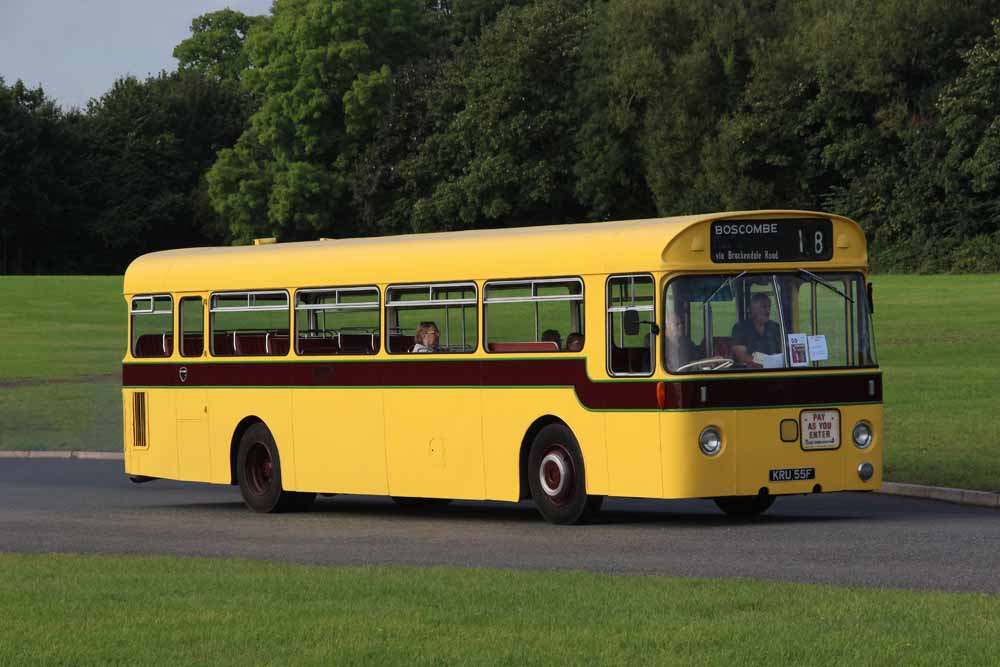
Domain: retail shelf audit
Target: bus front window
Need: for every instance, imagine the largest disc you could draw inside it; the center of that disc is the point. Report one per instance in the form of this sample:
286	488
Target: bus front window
767	321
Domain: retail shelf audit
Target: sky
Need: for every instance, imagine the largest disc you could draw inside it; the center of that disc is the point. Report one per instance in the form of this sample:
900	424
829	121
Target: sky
75	49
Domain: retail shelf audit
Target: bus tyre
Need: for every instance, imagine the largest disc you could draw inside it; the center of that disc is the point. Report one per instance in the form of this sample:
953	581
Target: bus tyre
557	478
745	506
258	470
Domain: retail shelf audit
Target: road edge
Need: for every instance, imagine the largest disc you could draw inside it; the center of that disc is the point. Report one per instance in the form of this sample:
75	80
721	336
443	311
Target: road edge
60	454
942	493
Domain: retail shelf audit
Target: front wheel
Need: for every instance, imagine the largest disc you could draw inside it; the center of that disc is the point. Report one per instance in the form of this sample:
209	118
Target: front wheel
745	506
557	478
258	470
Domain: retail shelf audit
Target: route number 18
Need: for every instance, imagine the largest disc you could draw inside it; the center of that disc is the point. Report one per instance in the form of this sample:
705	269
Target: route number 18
817	243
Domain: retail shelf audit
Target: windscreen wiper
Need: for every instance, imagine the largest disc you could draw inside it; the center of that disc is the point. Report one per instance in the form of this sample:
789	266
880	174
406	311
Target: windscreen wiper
825	283
724	283
706	306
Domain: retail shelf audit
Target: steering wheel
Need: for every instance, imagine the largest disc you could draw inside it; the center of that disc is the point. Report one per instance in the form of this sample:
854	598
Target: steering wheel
709	364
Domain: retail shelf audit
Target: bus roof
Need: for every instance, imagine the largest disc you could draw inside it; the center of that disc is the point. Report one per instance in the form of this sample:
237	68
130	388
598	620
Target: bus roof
522	252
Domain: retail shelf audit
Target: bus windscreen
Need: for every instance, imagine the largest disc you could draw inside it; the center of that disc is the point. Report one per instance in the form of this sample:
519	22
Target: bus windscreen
767	321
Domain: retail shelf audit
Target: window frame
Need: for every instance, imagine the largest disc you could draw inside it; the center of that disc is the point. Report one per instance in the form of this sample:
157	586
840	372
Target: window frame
151	311
387	303
180	325
348	288
581	297
608	309
249	308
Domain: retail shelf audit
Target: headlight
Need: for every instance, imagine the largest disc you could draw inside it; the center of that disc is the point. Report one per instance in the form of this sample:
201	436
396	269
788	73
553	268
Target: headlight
862	435
710	441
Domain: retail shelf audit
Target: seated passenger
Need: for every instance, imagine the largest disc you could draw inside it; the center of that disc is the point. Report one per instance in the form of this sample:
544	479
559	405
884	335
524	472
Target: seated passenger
552	336
680	348
426	338
574	342
758	334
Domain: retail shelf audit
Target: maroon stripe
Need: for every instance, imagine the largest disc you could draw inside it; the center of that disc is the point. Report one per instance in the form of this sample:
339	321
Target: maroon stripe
613	395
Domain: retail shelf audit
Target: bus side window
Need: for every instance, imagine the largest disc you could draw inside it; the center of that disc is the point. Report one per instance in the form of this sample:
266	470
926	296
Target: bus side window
152	326
249	324
450	307
630	354
540	315
337	320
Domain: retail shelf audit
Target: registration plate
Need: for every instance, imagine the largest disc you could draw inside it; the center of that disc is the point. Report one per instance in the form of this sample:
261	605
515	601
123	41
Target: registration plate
791	474
820	429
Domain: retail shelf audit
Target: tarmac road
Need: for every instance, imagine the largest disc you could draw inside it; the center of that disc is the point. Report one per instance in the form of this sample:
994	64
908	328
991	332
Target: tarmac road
846	539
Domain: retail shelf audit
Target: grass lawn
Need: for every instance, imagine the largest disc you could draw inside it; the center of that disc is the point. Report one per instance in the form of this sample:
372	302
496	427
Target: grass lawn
939	346
60	370
63	337
111	610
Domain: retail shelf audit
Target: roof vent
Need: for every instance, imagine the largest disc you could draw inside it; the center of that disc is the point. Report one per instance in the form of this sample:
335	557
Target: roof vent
268	241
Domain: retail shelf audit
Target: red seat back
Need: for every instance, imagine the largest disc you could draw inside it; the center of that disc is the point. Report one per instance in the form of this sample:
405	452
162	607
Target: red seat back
153	345
192	345
525	346
318	346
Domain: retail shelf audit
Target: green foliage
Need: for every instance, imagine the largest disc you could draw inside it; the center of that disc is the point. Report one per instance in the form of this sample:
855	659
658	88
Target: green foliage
41	161
502	151
359	117
322	72
151	141
216	45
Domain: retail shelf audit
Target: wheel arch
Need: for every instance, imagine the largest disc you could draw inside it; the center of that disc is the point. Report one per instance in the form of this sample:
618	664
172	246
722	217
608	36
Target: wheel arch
529	437
234	444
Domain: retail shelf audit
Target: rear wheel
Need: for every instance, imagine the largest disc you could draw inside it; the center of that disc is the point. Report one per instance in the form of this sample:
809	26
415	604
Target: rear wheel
557	478
745	506
258	470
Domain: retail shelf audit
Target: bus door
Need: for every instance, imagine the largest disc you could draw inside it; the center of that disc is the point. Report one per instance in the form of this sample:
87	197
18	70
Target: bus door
191	402
633	442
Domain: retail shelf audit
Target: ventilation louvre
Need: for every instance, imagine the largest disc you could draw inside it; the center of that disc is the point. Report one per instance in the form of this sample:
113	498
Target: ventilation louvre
139	419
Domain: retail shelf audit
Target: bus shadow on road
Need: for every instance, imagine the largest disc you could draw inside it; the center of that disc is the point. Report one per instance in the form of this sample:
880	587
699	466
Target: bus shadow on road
618	512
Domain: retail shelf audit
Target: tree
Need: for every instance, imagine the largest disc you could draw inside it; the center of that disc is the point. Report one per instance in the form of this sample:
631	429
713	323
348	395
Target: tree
152	141
216	45
38	156
322	72
501	151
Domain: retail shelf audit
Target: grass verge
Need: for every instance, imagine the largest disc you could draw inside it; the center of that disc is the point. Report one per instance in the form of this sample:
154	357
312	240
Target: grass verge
114	610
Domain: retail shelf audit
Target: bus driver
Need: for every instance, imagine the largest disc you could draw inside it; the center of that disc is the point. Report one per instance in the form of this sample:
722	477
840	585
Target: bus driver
758	334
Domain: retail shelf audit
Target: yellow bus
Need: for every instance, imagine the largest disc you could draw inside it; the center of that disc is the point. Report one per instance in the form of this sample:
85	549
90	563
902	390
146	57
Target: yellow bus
726	356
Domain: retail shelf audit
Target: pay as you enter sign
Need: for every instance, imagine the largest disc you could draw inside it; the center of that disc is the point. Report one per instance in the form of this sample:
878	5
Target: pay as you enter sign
820	429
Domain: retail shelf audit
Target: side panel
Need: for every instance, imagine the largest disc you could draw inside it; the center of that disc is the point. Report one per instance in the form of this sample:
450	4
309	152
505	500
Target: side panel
507	415
434	445
193	449
159	457
634	454
227	408
340	440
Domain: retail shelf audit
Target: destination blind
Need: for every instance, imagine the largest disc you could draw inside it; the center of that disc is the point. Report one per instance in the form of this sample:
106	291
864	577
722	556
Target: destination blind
784	240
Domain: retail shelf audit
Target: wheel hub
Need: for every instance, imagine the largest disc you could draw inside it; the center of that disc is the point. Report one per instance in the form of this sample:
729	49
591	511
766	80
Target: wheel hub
259	469
555	473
